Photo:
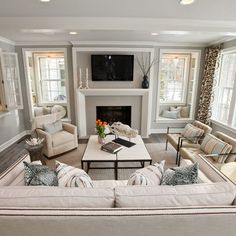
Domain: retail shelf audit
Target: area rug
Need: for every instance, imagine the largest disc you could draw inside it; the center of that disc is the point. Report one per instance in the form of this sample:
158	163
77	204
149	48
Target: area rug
156	150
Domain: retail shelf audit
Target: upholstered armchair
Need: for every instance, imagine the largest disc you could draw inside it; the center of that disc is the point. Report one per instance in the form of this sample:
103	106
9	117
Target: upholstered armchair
58	142
176	138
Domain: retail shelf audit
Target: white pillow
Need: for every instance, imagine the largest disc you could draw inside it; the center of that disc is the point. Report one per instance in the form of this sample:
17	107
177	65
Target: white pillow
178	109
170	114
150	175
69	176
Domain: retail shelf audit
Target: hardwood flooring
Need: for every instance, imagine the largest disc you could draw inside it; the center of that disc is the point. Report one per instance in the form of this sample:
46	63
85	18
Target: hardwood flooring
12	153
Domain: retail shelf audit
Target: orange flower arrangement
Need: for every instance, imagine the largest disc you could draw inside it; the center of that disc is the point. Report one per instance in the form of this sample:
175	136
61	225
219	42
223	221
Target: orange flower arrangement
100	127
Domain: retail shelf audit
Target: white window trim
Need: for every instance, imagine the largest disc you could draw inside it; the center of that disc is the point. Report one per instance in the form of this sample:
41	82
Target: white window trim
195	82
28	89
233	101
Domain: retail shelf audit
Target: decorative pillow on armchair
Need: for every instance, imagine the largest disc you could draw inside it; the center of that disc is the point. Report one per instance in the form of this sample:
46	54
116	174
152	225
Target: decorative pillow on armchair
39	175
53	127
190	131
69	176
181	175
150	175
214	145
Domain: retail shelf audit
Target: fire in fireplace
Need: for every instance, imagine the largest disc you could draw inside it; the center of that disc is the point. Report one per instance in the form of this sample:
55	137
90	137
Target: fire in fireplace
112	114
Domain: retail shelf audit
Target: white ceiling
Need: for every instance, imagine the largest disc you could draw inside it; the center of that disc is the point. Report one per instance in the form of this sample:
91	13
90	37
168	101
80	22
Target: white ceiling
203	22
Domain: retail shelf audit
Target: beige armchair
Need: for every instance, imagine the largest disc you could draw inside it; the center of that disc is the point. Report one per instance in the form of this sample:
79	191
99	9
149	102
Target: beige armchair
59	142
176	138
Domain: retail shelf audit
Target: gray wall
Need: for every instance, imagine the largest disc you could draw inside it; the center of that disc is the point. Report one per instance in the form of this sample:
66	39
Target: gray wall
22	74
13	123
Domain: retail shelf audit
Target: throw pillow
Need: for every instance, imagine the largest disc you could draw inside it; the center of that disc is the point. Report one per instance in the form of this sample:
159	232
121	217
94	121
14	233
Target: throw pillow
170	114
181	175
69	176
178	109
190	131
53	127
184	112
39	175
214	145
150	175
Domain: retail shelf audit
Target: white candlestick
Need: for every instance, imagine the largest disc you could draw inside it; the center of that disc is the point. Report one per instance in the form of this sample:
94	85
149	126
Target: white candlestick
80	79
86	79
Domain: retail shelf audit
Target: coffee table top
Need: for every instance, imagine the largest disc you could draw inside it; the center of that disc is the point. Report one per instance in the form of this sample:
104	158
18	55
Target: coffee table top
137	152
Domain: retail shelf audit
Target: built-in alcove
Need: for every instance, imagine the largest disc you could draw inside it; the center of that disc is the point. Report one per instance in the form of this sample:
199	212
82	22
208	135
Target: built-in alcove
112	114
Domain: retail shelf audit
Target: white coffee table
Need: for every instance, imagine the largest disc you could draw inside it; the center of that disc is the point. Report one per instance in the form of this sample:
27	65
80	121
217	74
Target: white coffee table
136	153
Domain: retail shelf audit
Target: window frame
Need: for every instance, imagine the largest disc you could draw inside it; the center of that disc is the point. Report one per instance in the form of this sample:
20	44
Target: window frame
232	112
197	53
186	79
41	102
3	86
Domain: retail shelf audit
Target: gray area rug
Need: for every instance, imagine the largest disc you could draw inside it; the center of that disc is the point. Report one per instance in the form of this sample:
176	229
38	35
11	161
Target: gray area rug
156	150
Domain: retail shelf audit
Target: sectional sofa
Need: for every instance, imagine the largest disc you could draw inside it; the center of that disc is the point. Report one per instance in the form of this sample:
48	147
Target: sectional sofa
113	208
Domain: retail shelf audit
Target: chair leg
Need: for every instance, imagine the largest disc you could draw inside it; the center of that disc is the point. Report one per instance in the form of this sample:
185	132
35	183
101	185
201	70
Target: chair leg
166	143
177	158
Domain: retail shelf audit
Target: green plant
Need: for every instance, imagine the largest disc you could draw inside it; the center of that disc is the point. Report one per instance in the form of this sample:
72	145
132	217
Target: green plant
100	127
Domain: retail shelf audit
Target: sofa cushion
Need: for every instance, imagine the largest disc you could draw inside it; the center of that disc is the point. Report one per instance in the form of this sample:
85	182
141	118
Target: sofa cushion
62	137
181	175
171	114
69	176
54	127
184	112
150	175
56	197
178	109
213	145
191	131
213	194
39	175
109	183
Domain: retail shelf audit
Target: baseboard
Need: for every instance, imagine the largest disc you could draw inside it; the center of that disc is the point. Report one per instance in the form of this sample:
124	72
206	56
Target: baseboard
14	139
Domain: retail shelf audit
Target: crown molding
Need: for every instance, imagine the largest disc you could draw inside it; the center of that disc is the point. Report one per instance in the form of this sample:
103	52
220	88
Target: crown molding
42	43
137	43
7	41
223	40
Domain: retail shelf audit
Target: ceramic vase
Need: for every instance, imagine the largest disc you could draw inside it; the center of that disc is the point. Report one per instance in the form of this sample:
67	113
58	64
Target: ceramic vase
145	83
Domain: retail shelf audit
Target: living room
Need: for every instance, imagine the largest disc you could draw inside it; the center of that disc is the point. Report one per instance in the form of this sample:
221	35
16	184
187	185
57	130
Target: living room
71	71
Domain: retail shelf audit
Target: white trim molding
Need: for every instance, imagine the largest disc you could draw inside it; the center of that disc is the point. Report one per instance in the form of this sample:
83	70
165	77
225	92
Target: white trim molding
42	43
7	41
14	139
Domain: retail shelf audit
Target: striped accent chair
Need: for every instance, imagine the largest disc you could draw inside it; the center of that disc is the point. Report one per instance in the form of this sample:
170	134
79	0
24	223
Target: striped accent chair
190	137
214	148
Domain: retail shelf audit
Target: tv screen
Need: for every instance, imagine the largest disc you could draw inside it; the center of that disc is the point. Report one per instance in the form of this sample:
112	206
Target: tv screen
112	67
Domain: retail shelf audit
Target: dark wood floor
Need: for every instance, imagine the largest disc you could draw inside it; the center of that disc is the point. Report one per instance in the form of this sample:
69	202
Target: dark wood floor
12	153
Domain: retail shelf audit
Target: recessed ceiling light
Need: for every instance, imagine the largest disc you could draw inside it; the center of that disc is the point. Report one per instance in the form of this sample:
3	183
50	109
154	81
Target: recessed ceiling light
73	33
45	0
154	34
186	2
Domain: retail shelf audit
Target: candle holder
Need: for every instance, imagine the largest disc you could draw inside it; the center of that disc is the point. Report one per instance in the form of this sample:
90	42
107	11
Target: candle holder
80	79
86	81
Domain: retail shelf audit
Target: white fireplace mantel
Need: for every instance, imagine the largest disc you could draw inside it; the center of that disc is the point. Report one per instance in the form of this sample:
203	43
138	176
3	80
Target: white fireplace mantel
145	110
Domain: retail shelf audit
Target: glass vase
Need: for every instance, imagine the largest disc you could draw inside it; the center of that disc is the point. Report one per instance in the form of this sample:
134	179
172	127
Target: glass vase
101	140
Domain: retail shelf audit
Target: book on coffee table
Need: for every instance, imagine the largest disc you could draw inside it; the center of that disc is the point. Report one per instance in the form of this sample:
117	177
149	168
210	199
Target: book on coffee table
111	147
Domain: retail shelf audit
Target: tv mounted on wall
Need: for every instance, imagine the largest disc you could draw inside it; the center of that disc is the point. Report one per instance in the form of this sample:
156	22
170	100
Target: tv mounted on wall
112	67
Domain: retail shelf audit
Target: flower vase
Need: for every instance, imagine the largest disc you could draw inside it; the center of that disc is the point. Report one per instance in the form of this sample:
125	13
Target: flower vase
145	83
101	140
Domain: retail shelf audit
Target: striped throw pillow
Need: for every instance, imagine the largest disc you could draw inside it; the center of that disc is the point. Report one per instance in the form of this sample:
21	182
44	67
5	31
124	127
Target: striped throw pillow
150	175
213	145
191	131
69	176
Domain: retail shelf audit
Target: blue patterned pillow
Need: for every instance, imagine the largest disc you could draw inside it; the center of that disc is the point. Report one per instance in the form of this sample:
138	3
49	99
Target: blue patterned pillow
181	175
39	175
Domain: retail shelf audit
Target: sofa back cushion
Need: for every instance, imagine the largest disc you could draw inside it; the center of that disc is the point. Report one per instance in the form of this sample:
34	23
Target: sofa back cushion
214	145
58	197
213	194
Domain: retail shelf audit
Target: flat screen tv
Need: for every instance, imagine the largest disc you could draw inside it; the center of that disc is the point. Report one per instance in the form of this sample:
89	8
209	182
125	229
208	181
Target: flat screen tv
112	67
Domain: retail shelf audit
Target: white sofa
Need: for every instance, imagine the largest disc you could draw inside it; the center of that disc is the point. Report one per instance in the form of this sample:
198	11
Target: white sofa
111	208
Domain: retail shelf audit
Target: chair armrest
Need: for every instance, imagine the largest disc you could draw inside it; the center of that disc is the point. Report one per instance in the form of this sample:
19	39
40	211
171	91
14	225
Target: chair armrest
197	138
70	128
218	155
47	137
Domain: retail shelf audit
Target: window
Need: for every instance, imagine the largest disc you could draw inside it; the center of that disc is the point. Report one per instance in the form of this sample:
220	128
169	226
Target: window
174	73
225	93
10	87
51	82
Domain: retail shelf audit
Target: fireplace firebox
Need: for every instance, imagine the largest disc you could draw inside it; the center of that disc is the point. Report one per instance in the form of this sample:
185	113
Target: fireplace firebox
112	114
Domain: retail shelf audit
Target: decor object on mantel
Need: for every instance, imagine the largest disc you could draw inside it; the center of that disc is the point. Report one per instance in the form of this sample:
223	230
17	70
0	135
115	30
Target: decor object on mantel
100	128
120	129
35	146
81	79
145	67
